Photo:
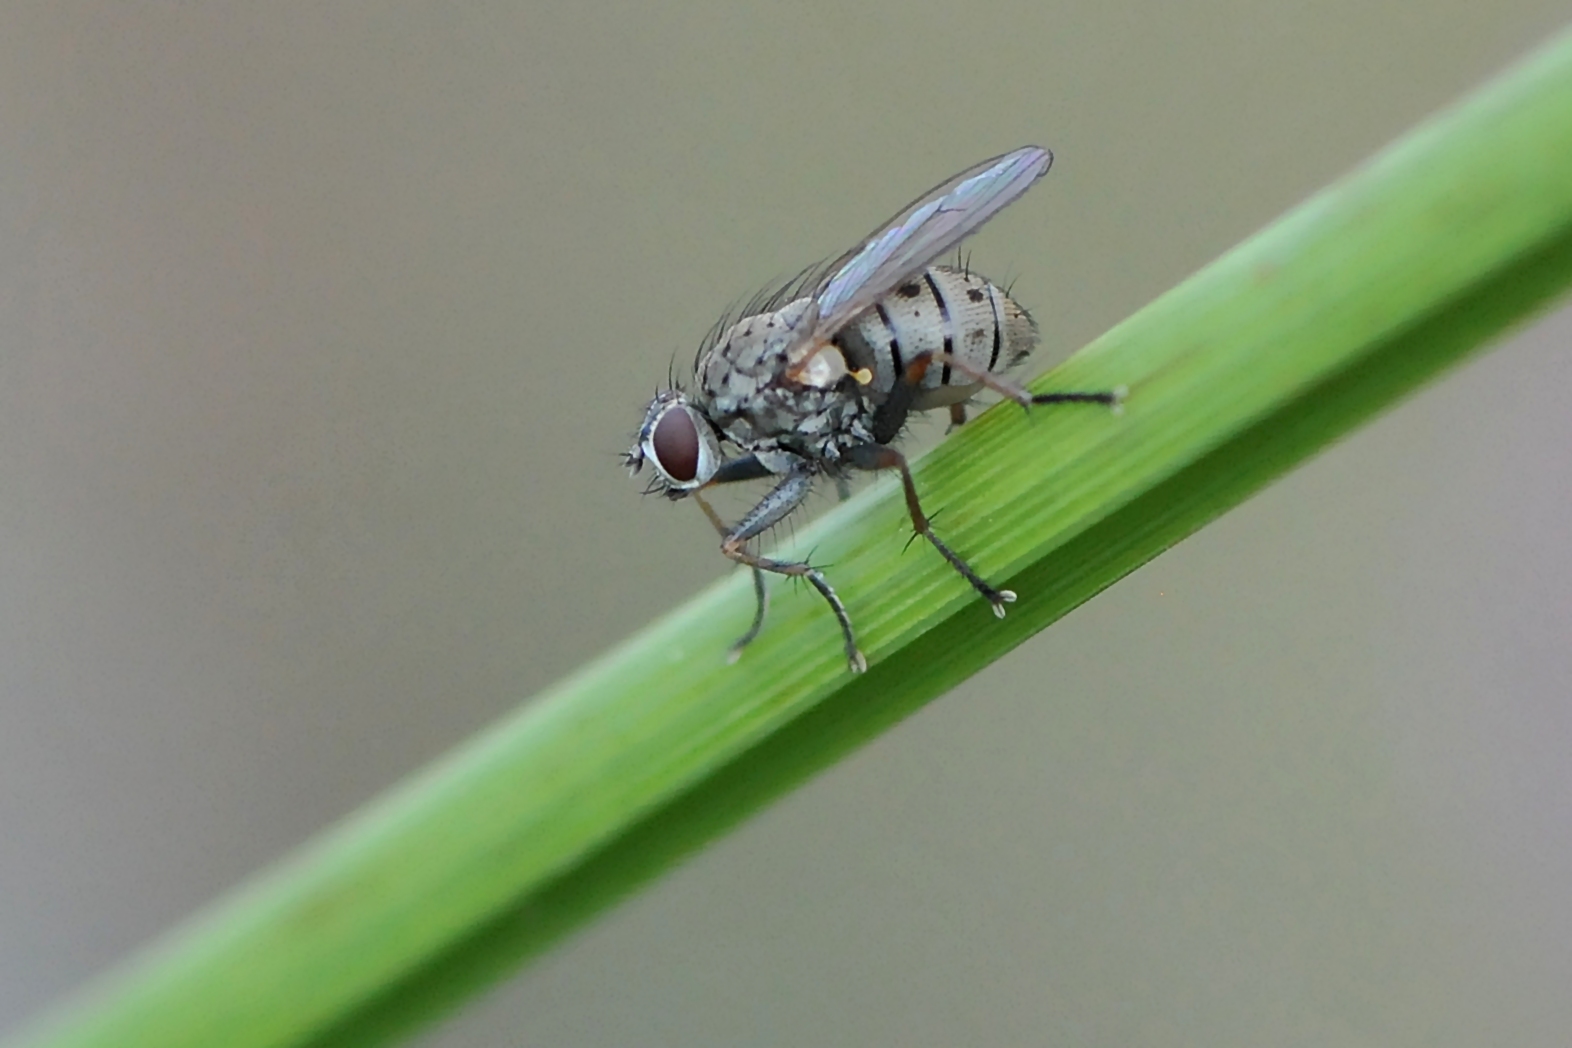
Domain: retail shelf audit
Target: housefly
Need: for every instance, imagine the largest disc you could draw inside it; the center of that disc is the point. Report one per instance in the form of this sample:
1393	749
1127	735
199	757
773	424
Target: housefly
817	380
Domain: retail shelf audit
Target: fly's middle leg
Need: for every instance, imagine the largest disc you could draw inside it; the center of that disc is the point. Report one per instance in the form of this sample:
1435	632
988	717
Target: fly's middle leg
891	416
880	456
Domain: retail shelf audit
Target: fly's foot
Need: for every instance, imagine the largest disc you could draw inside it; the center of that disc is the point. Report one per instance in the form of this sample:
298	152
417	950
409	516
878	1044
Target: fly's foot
1114	399
999	598
761	604
816	579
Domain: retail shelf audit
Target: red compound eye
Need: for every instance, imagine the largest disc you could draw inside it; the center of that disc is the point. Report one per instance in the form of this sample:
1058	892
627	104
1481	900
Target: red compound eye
676	445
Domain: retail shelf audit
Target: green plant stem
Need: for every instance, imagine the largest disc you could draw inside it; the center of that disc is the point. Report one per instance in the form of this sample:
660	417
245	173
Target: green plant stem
1356	297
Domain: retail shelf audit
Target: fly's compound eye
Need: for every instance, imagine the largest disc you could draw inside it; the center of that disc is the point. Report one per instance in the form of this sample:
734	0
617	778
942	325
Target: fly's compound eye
679	443
675	444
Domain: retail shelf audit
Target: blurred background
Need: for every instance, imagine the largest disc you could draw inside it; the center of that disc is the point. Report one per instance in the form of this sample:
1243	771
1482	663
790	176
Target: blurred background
321	328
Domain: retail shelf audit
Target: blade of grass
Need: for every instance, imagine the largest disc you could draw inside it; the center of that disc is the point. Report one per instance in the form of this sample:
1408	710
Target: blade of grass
1359	295
856	714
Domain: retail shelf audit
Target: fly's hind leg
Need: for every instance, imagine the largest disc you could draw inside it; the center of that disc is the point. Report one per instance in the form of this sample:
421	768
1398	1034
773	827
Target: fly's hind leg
1005	388
880	456
771	510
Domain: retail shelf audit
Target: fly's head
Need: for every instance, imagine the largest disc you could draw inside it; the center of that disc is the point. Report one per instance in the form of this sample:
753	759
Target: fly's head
679	444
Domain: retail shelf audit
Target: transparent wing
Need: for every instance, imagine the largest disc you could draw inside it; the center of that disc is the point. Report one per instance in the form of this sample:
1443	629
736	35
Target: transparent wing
931	225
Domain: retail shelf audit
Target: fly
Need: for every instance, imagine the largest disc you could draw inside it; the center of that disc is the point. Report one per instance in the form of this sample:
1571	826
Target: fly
819	378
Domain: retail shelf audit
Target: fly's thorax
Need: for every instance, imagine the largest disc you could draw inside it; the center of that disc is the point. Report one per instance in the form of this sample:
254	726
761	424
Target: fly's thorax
813	423
942	309
755	350
748	389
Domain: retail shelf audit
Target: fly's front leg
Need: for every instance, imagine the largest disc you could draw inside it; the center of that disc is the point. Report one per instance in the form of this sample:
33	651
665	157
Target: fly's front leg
761	596
880	456
744	467
771	510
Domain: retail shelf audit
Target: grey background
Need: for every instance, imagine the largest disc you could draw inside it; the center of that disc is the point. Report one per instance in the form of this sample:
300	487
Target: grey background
321	327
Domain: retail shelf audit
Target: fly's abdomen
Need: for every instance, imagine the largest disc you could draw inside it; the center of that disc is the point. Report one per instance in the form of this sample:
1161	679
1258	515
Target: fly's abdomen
940	309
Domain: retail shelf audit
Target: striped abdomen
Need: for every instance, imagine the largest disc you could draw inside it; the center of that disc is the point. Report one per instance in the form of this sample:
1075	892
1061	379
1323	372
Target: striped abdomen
945	309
